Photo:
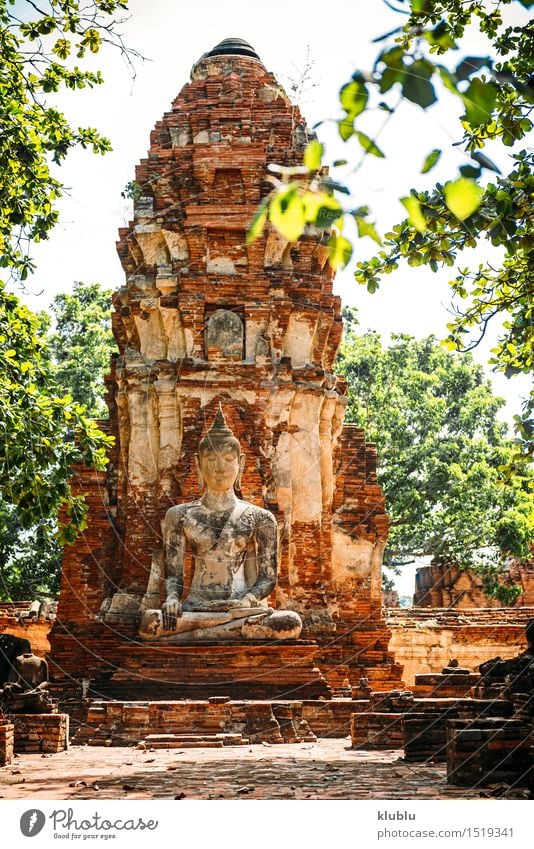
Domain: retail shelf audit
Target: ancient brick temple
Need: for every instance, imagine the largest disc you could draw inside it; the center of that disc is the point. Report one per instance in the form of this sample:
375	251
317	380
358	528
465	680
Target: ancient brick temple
202	319
440	585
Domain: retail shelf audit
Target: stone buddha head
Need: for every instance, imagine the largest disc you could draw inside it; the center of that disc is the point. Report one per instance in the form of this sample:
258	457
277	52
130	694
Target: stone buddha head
220	461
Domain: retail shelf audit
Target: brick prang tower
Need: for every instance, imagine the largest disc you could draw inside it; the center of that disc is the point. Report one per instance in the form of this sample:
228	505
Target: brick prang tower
202	319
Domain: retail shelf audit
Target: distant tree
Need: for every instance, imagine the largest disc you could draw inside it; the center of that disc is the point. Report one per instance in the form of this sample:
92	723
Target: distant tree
30	558
82	343
46	393
43	432
441	446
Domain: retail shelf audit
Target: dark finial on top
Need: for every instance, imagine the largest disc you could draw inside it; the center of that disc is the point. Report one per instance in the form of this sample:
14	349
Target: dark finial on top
233	47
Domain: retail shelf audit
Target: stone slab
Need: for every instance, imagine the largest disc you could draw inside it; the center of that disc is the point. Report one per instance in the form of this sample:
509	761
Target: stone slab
254	671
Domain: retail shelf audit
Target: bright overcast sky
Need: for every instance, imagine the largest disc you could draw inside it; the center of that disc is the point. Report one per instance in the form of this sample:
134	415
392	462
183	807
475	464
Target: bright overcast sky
172	35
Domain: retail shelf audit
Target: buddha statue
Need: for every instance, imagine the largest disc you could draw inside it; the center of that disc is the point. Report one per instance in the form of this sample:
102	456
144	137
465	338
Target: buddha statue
26	688
235	558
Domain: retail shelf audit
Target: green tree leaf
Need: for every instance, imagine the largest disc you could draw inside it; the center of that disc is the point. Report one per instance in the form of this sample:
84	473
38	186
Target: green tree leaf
354	97
415	213
287	213
369	145
431	160
484	162
339	252
258	222
365	228
313	154
470	171
421	5
470	65
479	102
416	85
463	197
346	129
320	208
441	36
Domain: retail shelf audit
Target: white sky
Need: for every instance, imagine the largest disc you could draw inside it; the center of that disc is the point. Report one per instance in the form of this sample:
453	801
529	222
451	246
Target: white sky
173	34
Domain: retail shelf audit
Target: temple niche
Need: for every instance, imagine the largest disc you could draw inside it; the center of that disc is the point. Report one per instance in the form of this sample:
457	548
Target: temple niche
203	321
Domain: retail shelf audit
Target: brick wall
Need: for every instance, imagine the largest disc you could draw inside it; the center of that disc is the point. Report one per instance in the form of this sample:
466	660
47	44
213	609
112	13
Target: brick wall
425	640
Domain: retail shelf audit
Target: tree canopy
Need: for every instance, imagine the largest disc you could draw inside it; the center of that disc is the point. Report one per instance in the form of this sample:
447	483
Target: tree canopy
30	558
43	432
81	344
54	379
43	429
417	62
441	445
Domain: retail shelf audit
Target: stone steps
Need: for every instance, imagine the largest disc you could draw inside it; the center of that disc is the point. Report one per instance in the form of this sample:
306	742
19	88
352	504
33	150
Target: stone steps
191	741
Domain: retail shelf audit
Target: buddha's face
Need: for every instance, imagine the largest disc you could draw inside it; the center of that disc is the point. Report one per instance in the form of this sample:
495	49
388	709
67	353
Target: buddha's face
220	464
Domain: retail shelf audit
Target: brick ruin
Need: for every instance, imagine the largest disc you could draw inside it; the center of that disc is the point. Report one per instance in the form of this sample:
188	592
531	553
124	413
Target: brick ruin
423	640
438	585
7	741
29	620
204	318
481	726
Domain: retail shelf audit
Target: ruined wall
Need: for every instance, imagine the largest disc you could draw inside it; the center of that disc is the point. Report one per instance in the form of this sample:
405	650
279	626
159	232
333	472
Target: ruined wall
15	620
447	586
424	641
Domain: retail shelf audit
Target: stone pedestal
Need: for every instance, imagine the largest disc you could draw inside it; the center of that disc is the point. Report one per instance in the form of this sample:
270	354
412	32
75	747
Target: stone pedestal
215	723
41	732
418	725
376	730
328	718
436	685
284	670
